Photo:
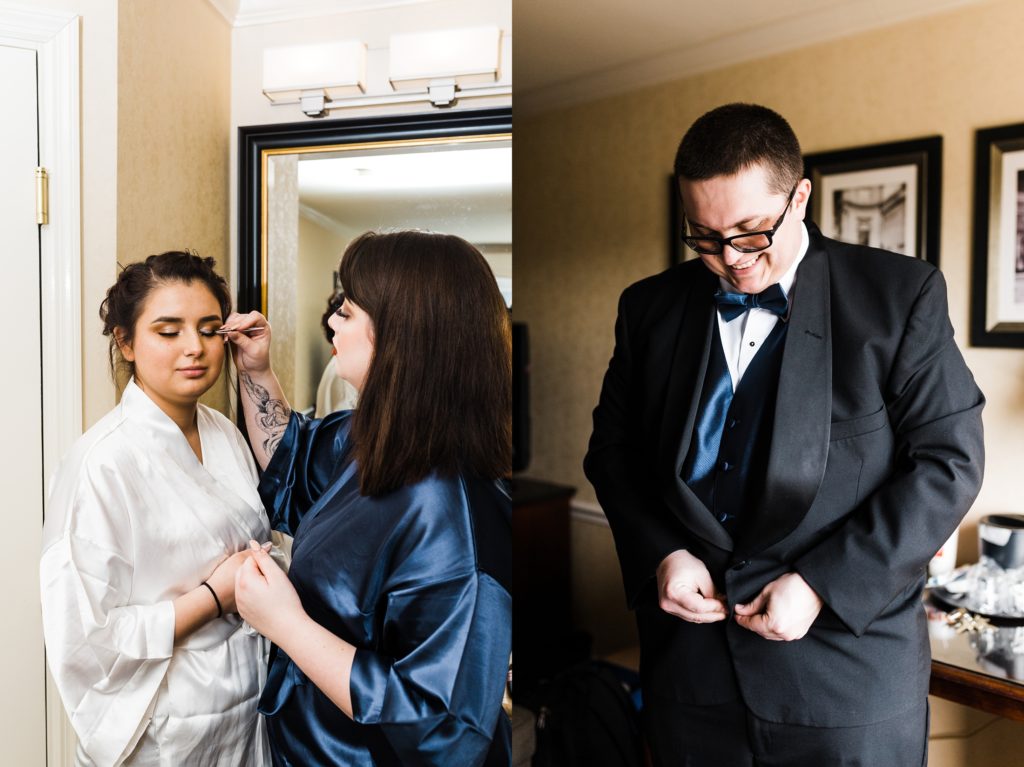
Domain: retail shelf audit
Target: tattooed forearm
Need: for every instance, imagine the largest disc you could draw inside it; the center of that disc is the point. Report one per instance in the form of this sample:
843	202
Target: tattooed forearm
271	414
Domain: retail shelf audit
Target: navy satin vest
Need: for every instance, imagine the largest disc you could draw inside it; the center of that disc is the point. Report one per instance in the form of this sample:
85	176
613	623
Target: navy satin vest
735	479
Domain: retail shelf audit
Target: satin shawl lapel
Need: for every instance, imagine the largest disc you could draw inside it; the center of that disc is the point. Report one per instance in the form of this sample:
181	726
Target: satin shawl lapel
158	437
234	486
693	326
341	482
803	410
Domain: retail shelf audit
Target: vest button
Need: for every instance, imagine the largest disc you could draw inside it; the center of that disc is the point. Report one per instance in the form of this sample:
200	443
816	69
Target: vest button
740	565
733	422
726	466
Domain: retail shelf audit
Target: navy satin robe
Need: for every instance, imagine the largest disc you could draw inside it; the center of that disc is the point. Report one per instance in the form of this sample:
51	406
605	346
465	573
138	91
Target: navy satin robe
418	580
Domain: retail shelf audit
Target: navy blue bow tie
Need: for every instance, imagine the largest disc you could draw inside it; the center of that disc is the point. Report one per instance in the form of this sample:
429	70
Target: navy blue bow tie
732	305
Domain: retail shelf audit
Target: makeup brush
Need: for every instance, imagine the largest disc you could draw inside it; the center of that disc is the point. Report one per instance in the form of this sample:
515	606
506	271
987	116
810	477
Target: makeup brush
247	331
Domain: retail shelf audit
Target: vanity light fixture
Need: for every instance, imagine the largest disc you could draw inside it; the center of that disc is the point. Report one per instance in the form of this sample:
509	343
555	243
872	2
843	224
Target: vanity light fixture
437	67
444	62
313	75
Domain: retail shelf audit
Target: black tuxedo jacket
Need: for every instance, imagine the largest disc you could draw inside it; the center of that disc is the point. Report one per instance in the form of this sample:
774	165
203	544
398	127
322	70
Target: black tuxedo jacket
876	455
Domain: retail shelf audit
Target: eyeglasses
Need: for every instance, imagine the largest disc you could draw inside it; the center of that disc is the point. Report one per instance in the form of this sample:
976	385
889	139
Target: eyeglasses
748	242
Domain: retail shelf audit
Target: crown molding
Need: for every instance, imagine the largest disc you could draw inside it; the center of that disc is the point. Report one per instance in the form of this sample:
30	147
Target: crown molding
245	13
20	22
226	8
323	220
830	23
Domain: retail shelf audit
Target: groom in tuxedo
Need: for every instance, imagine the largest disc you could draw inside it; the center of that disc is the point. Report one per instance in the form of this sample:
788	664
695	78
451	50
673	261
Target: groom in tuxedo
786	434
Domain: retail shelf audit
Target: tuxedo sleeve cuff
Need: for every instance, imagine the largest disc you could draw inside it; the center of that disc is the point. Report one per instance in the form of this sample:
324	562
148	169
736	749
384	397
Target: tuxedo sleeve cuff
855	614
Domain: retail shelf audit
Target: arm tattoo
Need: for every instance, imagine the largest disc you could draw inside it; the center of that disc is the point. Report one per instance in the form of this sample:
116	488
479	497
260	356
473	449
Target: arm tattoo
271	414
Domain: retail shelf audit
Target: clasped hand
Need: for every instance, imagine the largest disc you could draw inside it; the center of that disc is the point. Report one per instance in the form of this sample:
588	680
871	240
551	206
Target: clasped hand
266	597
783	611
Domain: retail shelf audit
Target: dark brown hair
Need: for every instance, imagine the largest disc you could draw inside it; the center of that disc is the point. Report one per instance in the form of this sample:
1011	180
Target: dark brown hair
735	137
438	393
125	298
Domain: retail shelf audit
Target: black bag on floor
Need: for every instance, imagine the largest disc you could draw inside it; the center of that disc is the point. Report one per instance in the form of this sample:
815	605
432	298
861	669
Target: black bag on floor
587	718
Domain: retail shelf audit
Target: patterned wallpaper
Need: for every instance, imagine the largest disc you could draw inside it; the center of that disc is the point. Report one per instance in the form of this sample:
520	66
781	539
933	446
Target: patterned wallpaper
173	113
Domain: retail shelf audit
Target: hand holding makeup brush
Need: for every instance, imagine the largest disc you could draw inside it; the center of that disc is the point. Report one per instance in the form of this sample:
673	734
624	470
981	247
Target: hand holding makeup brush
249	335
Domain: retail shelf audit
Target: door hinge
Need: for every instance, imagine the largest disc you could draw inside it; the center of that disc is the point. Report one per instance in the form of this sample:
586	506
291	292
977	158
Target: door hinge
42	196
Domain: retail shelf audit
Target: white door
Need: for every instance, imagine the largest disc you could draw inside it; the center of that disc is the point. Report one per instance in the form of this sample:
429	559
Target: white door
22	709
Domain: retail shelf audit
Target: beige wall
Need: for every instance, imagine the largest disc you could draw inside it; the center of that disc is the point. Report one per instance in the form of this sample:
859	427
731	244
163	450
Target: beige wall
173	117
591	216
966	737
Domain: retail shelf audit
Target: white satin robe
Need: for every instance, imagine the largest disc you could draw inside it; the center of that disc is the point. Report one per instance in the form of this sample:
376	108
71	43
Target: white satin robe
133	521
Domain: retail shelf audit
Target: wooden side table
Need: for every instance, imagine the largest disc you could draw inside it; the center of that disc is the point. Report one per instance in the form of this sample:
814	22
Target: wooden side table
542	618
982	672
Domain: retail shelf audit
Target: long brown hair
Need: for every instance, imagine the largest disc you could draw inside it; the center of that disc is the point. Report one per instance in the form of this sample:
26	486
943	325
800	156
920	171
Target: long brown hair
438	393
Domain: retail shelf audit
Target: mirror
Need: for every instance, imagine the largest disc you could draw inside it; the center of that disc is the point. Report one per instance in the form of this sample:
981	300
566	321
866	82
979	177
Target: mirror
308	189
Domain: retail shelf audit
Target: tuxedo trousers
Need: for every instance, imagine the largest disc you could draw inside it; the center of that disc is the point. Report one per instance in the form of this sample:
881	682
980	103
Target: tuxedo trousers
729	735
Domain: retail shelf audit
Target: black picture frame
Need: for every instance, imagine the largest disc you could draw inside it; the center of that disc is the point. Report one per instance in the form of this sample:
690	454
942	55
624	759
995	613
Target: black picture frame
923	189
996	256
256	140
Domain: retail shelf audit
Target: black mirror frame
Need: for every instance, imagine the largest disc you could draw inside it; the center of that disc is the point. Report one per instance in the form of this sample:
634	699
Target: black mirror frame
254	140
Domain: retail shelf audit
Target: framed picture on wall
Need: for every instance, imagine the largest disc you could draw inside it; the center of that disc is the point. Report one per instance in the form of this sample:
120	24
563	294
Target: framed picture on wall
997	270
885	195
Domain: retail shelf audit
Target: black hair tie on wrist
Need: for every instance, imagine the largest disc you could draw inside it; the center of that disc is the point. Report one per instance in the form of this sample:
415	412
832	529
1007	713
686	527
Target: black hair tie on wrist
213	593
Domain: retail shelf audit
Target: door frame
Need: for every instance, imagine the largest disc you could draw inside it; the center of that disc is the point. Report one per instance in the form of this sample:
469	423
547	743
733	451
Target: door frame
54	35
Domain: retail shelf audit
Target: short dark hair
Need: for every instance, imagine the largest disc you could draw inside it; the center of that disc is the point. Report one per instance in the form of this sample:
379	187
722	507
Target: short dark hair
438	392
121	308
734	137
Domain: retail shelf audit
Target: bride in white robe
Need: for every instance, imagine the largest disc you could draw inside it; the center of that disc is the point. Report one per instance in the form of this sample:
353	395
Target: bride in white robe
135	524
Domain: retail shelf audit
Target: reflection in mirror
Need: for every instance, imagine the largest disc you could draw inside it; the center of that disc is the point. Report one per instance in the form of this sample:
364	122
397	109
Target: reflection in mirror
318	201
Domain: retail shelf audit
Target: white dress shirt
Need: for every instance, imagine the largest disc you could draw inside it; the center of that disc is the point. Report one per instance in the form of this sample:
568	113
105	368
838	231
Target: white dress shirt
742	338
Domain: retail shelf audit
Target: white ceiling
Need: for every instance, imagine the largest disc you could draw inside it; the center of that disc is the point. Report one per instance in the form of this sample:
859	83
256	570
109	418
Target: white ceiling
572	51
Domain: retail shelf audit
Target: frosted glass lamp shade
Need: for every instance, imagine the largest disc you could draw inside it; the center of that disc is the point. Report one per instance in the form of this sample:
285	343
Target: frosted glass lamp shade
469	56
333	69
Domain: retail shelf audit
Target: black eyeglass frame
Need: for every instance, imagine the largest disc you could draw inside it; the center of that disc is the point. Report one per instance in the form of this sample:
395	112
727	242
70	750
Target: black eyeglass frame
723	241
